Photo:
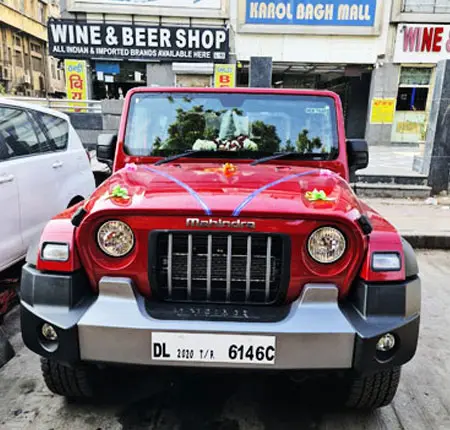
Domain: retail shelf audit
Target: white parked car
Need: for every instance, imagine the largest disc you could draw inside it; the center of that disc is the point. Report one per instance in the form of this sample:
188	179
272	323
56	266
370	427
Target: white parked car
44	169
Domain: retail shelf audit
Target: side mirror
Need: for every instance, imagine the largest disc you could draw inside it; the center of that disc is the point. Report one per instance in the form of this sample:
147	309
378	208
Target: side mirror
106	148
358	154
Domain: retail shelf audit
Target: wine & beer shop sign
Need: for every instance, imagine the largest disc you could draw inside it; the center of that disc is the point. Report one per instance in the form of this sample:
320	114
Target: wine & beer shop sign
70	39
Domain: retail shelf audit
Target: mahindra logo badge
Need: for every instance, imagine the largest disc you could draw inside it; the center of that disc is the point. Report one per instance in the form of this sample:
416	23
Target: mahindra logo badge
196	222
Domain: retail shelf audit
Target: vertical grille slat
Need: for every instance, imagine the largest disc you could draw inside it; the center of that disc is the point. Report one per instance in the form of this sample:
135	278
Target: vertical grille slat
208	268
268	266
248	269
229	262
169	264
218	267
189	267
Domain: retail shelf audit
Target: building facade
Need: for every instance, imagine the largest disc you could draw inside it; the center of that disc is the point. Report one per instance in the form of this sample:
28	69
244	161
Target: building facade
25	69
144	42
419	38
332	45
378	55
55	68
23	37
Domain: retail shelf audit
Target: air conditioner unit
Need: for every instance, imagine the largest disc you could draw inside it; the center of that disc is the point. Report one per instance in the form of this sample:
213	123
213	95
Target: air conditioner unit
26	78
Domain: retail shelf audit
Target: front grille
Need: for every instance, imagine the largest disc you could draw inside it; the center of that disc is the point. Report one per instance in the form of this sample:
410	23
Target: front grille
217	267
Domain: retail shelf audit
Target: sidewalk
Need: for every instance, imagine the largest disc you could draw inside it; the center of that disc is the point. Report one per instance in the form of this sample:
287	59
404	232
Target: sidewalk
424	226
391	160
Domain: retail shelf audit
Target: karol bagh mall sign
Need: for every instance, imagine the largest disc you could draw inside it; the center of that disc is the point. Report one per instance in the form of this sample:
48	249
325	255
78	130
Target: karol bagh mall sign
70	39
337	13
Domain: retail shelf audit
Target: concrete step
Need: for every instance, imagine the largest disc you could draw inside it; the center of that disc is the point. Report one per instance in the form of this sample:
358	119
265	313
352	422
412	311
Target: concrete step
387	179
396	191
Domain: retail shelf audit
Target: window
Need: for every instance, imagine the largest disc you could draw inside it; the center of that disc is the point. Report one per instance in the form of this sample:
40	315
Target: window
36	48
9	56
17	133
18	41
415	76
36	63
427	6
57	131
252	124
414	99
58	71
4	150
41	12
413	88
19	59
53	71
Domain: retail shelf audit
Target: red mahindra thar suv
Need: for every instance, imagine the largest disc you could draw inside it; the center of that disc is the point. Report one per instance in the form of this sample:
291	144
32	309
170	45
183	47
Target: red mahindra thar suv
228	236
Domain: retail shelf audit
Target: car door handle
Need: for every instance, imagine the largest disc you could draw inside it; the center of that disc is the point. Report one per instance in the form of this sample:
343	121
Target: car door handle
57	164
6	178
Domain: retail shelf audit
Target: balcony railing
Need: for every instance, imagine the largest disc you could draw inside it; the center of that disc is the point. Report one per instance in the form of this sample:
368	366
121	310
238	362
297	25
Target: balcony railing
426	6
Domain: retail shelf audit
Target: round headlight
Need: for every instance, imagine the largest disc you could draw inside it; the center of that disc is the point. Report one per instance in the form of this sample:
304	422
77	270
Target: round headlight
326	245
115	238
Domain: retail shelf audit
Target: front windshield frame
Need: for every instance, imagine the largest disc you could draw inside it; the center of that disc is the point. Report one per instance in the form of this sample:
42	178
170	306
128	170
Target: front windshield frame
332	154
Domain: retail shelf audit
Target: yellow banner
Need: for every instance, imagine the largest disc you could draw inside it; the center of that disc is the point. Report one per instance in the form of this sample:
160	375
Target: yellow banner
225	75
76	83
383	111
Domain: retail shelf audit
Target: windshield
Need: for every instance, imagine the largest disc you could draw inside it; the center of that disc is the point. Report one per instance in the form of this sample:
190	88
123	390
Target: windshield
245	125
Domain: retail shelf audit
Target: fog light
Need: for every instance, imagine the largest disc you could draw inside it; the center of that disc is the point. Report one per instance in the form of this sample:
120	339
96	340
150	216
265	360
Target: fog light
386	343
49	332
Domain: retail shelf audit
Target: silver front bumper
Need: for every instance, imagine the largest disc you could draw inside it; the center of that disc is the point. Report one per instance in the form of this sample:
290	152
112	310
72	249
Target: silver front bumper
314	334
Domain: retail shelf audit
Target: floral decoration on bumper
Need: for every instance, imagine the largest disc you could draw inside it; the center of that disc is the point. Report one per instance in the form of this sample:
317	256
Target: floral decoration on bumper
316	195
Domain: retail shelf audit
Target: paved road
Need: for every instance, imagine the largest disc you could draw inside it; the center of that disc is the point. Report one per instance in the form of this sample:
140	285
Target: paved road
217	403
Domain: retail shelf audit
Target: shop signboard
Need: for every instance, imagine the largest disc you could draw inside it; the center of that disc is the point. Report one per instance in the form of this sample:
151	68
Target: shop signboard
225	75
422	43
75	39
331	13
382	110
76	83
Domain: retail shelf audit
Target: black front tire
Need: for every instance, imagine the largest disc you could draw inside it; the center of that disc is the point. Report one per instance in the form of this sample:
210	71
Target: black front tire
72	382
373	391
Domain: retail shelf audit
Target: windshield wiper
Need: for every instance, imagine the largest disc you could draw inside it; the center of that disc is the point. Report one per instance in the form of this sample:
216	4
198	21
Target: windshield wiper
177	156
278	155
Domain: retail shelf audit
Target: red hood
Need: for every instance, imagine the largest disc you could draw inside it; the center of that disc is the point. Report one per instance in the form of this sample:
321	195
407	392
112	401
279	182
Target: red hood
206	189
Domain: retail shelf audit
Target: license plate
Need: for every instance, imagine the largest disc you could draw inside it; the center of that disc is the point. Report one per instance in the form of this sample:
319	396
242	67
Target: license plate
213	348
